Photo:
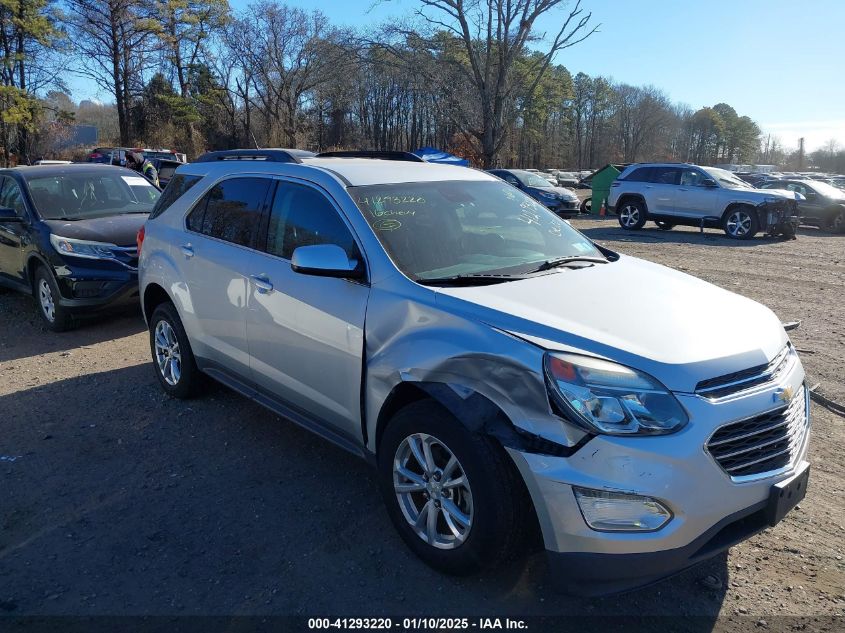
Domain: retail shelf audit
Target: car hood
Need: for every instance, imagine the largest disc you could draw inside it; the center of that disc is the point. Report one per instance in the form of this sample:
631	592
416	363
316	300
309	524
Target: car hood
677	328
762	194
114	229
565	193
785	193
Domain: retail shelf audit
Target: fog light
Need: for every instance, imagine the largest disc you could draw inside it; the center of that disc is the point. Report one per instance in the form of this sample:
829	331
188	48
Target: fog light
619	512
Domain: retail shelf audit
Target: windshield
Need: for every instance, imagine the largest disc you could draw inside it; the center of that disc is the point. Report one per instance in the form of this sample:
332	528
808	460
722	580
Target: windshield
441	229
727	179
530	179
93	194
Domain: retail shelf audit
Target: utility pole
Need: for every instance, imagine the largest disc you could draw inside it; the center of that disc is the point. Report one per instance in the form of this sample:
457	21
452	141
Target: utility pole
801	154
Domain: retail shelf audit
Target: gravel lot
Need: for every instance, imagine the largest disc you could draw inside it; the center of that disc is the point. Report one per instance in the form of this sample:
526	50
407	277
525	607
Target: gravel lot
115	499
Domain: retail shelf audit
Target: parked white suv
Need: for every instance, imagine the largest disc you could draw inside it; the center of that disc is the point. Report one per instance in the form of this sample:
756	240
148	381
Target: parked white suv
672	194
466	341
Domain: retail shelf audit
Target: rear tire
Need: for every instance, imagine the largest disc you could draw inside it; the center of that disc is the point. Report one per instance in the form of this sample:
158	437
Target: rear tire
741	223
489	515
173	359
56	317
632	215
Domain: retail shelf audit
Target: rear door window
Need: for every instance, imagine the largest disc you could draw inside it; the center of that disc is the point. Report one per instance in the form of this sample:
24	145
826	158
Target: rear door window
231	210
665	175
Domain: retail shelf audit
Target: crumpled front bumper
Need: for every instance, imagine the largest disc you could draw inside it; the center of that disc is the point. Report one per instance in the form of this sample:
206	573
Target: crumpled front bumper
779	218
711	511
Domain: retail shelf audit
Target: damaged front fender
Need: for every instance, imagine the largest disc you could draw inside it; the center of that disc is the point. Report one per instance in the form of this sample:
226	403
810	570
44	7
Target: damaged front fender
490	380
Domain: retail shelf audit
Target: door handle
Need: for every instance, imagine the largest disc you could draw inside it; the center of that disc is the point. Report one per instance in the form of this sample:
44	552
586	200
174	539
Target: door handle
261	283
682	189
649	186
187	250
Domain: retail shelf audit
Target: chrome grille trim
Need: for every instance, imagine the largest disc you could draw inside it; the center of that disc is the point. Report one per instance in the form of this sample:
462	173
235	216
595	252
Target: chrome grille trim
763	444
736	382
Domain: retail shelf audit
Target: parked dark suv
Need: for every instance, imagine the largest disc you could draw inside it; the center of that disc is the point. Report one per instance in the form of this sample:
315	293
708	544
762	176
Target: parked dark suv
561	200
67	236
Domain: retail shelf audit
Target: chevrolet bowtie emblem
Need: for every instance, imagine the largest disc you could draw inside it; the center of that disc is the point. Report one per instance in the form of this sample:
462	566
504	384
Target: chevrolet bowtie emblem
784	395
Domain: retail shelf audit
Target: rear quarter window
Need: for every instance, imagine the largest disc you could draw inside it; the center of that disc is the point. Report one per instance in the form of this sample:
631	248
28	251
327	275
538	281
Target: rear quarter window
178	186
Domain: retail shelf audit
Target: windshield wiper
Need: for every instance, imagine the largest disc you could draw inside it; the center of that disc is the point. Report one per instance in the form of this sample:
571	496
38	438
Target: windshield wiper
562	261
471	279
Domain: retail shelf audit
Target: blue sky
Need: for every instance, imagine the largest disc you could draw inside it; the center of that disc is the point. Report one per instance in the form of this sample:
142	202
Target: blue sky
781	62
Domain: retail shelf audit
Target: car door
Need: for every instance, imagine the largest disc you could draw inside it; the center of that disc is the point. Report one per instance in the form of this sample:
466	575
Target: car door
693	199
13	235
214	258
306	333
813	205
660	190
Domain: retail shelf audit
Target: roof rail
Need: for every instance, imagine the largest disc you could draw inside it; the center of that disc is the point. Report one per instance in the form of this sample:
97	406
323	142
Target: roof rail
369	153
269	155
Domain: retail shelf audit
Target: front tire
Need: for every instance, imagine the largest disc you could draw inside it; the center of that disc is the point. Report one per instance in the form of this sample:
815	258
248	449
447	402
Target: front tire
173	358
741	223
454	496
632	215
56	317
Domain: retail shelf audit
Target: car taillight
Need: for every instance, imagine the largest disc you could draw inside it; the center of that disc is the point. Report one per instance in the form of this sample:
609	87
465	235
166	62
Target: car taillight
614	184
94	156
139	239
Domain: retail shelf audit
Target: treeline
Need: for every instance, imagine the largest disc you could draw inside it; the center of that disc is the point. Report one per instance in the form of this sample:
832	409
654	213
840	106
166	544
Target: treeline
196	75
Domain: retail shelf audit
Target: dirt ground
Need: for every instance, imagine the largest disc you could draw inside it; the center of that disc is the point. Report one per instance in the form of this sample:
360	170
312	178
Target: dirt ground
115	499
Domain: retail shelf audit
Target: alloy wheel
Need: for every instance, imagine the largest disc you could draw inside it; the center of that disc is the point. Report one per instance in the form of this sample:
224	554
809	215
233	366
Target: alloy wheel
629	215
739	223
45	298
168	356
433	491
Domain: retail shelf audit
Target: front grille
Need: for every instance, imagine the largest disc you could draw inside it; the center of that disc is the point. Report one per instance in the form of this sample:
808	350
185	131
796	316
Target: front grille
764	443
730	384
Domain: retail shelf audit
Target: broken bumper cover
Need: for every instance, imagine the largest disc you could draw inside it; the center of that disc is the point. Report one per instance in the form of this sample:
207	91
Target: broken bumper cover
778	218
600	574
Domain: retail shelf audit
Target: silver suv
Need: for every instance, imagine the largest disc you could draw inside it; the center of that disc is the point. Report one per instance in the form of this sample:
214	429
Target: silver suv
670	194
465	340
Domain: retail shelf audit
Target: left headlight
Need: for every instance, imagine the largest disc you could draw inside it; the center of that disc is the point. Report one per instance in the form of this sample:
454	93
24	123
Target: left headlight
608	398
548	195
82	248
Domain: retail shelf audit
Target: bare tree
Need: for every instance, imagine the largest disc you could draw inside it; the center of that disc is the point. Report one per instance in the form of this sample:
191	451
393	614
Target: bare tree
113	39
494	35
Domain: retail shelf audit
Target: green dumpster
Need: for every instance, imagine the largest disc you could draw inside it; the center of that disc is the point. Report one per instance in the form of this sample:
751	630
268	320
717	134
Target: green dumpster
601	180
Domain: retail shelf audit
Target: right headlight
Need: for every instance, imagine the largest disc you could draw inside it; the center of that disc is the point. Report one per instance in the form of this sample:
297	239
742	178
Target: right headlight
608	398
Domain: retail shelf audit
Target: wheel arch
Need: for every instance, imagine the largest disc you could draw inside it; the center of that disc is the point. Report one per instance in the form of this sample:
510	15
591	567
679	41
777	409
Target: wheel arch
737	205
474	410
154	295
33	261
633	197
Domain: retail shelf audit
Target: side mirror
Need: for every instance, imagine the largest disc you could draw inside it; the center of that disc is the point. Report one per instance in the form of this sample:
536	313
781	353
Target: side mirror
9	215
708	182
325	260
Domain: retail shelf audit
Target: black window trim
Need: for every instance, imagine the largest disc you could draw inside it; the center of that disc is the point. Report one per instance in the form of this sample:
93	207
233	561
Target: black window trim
265	222
262	211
